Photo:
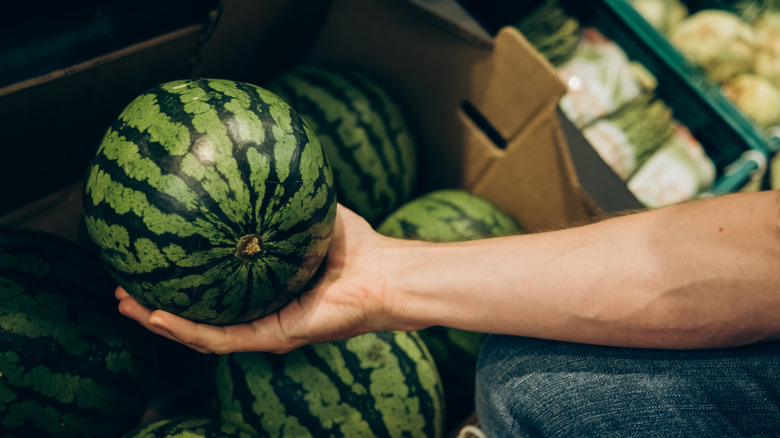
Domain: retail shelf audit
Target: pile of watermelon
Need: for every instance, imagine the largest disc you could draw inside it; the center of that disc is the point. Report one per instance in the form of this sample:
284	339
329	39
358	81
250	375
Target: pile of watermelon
215	200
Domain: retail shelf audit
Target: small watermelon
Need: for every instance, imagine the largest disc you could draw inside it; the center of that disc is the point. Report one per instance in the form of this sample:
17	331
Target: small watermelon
70	366
375	385
211	199
364	133
452	215
188	428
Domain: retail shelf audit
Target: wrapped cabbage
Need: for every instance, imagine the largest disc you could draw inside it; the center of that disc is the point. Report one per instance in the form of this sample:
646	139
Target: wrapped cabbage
661	14
756	97
628	137
719	41
767	63
600	79
676	172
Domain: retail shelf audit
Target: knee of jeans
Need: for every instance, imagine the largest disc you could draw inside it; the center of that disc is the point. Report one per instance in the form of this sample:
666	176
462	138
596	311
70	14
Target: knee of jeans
500	385
519	389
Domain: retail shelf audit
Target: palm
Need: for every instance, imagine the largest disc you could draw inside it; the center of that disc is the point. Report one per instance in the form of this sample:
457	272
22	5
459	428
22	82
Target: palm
345	302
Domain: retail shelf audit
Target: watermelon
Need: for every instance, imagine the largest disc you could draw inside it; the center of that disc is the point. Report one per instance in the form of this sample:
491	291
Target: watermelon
451	215
364	133
379	384
186	427
211	199
70	366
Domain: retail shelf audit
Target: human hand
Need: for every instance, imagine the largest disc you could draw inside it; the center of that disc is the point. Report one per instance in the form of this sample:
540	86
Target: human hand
348	300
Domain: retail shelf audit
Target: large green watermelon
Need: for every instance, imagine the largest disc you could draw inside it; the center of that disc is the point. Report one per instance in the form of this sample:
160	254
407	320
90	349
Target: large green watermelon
186	427
211	199
375	385
452	215
70	365
363	131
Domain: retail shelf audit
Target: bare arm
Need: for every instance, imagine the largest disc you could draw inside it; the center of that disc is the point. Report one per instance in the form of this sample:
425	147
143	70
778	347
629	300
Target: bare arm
703	274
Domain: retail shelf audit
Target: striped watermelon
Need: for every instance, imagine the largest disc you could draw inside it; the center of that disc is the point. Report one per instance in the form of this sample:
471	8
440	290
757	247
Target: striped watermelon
211	199
363	131
188	428
451	216
70	366
374	385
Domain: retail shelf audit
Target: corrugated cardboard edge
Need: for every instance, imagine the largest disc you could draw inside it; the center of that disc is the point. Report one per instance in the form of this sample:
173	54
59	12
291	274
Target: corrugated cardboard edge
52	124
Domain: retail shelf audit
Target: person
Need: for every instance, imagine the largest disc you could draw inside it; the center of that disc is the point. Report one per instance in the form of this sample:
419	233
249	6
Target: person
663	322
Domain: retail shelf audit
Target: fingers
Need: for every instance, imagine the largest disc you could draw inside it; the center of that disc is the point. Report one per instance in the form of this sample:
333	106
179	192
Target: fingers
264	334
259	335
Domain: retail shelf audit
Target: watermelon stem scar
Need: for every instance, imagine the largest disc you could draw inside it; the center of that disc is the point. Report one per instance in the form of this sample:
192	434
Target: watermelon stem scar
249	248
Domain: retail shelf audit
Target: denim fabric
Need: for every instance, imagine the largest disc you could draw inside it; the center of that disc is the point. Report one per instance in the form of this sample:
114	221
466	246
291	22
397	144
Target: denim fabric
538	388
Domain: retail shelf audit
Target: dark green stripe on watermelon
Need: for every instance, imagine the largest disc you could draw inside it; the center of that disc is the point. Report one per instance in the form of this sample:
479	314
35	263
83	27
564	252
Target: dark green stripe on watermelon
189	171
70	366
380	384
363	131
451	216
185	427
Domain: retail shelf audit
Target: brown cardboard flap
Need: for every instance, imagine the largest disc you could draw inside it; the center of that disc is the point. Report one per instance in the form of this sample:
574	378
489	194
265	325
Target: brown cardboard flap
52	125
433	73
534	182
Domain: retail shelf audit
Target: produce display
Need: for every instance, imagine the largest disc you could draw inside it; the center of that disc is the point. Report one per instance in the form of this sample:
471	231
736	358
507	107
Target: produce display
363	131
69	366
188	428
628	137
738	48
211	199
661	14
676	172
614	101
381	384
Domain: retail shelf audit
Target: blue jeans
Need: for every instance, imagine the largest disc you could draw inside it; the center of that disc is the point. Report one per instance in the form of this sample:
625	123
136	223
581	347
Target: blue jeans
538	388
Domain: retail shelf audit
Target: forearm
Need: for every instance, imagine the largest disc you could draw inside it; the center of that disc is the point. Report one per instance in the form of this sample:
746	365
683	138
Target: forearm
703	274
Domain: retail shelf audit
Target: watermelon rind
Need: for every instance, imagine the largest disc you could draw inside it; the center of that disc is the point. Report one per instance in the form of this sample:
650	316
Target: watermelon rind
70	365
381	384
449	215
188	427
211	199
364	130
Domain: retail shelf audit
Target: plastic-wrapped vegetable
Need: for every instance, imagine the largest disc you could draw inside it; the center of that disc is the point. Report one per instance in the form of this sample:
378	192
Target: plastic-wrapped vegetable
676	172
756	97
628	137
767	63
717	40
661	14
600	79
